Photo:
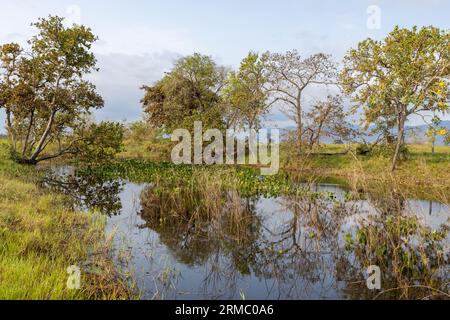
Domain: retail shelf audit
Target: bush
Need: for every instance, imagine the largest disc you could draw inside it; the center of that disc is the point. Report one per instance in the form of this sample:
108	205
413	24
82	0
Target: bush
383	150
363	149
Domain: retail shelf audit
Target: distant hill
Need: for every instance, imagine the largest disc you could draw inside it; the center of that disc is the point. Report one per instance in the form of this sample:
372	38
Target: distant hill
414	134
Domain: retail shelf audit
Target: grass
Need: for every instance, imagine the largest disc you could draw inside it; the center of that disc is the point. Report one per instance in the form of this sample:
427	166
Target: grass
146	149
423	175
41	236
421	161
414	254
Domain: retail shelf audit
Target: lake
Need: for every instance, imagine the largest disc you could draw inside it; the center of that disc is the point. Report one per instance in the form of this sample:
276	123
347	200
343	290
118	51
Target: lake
287	247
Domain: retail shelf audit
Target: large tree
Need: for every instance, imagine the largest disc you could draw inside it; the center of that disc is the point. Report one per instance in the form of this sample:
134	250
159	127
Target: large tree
45	96
289	75
188	93
244	96
405	74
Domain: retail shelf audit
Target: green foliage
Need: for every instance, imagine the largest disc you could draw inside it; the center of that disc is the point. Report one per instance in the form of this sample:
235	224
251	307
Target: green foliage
435	129
189	93
388	243
100	143
382	150
44	94
245	180
388	150
40	237
138	131
244	94
408	69
407	73
363	149
447	139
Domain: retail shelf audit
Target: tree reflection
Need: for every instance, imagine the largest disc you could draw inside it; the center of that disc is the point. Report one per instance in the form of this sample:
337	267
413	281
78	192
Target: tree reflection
236	241
87	191
298	251
192	230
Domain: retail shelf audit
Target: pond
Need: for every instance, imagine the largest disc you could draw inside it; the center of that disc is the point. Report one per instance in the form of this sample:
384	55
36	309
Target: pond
317	245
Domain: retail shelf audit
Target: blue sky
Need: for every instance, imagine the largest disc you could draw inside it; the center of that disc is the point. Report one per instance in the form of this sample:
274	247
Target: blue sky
140	39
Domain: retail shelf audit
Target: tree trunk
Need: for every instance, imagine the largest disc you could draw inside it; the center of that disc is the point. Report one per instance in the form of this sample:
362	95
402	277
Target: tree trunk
25	145
44	137
433	145
10	130
300	122
400	140
30	162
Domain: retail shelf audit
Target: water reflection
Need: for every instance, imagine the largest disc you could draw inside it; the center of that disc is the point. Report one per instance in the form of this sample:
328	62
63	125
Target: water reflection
86	192
189	243
293	245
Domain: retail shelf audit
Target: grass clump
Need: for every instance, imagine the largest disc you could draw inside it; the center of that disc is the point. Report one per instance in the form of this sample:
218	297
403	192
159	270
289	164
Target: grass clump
415	255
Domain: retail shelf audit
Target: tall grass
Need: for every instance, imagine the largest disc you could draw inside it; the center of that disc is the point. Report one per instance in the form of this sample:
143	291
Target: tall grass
40	237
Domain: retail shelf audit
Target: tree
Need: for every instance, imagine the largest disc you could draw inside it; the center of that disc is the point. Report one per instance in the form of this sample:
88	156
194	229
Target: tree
289	76
328	118
99	142
188	93
139	131
435	129
407	73
244	96
44	93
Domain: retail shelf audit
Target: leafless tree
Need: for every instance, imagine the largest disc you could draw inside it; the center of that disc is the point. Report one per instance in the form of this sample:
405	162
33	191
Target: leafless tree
327	118
289	75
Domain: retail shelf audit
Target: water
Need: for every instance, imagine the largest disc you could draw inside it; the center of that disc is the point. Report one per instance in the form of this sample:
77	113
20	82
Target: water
279	248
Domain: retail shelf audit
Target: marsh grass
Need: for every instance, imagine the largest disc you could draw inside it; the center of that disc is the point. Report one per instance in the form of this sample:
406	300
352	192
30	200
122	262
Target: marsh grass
41	236
422	172
206	210
202	196
196	210
416	256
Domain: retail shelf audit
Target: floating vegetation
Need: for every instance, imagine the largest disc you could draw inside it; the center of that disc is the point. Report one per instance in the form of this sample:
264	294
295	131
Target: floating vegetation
417	256
246	181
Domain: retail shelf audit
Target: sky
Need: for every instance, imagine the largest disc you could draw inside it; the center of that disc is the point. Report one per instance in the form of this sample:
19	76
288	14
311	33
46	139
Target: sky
140	39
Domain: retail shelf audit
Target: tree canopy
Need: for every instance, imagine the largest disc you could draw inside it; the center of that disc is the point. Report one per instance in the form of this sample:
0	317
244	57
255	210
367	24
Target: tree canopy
188	93
44	93
244	95
407	73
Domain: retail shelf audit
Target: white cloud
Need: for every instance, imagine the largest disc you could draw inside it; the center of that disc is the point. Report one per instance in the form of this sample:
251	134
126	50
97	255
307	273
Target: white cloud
129	55
121	77
142	40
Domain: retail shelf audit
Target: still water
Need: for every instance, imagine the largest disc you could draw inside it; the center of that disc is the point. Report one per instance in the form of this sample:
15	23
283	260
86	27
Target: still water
271	248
